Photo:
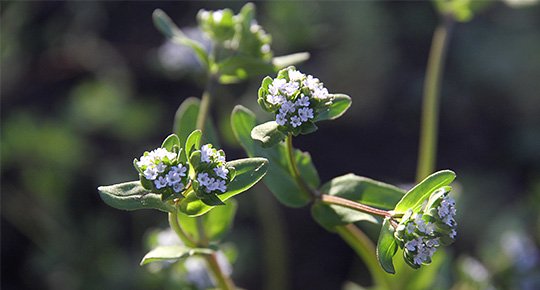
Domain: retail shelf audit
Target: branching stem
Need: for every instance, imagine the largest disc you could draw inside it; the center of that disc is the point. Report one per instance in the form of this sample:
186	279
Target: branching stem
331	199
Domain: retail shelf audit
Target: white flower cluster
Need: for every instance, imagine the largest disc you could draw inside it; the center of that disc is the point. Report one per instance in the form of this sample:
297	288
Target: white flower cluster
159	167
292	98
420	233
215	177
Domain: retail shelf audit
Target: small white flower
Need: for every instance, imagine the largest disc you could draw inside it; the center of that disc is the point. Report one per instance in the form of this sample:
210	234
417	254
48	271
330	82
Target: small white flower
221	171
277	86
302	101
265	48
177	187
296	121
161	153
203	179
275	99
290	88
295	75
320	93
311	82
281	118
146	161
160	168
207	153
305	114
160	182
150	173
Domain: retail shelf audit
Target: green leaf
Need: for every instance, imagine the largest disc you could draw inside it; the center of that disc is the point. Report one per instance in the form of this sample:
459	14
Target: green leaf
364	190
216	222
330	216
278	179
170	142
132	196
387	246
359	189
338	107
268	133
212	200
416	196
248	172
289	59
164	24
185	122
193	142
162	253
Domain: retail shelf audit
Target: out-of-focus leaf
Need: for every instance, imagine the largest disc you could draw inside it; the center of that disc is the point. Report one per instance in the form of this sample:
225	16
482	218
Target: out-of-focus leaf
216	222
162	253
132	196
289	59
278	179
248	172
185	122
417	195
330	216
240	67
387	246
171	31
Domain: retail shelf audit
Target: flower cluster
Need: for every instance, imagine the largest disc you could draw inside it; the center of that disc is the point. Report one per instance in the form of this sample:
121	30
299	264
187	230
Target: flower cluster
420	233
294	98
162	172
211	171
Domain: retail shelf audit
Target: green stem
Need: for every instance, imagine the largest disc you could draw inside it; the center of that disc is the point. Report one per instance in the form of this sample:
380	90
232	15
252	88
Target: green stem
175	225
223	282
430	100
203	239
206	100
331	199
293	168
365	248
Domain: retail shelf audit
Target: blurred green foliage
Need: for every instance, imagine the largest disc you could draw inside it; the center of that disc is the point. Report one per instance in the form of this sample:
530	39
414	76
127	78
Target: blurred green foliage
85	88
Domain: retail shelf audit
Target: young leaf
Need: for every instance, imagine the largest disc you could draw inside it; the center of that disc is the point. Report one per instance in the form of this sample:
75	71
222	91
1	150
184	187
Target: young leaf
193	142
248	172
387	246
132	196
162	253
416	196
171	141
268	133
185	122
364	190
171	31
339	106
330	216
278	179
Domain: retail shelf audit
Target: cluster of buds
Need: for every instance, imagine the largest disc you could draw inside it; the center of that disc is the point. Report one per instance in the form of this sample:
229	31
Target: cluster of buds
420	232
162	172
294	98
239	32
212	175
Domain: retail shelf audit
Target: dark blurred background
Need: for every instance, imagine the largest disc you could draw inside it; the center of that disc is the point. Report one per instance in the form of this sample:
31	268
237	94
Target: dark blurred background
88	86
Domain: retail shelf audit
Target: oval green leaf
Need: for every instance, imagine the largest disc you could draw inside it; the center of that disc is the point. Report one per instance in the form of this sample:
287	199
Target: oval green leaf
417	195
132	196
248	172
338	107
387	247
268	133
185	122
171	141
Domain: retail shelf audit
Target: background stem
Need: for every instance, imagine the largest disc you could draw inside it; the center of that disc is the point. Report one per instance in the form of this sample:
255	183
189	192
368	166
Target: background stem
186	239
365	248
223	282
430	101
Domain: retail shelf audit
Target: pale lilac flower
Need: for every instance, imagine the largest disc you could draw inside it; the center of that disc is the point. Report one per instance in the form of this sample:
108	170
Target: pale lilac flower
220	185
160	182
207	153
411	245
221	171
288	107
180	169
290	88
177	187
295	121
410	228
281	118
302	101
160	168
203	179
305	114
150	173
173	178
275	99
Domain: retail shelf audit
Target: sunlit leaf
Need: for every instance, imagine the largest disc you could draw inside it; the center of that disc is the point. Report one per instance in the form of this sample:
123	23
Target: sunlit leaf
268	133
339	106
290	59
132	196
387	246
417	195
